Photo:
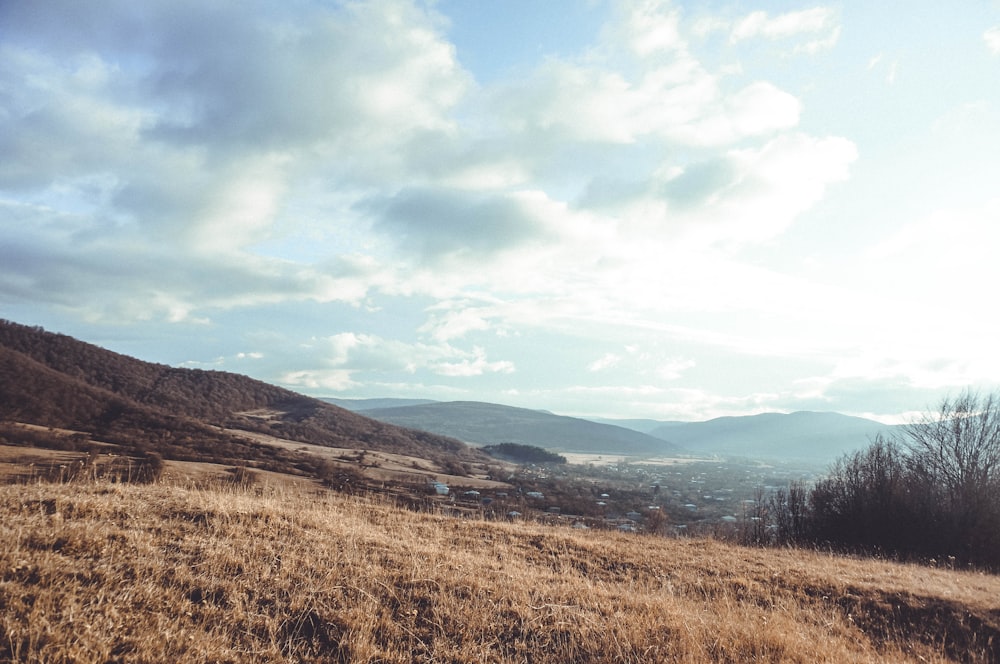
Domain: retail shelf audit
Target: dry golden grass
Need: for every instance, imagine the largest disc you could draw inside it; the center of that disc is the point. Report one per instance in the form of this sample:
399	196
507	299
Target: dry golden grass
95	572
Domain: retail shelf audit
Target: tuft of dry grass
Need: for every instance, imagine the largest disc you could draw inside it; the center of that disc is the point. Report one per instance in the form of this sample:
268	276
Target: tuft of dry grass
99	572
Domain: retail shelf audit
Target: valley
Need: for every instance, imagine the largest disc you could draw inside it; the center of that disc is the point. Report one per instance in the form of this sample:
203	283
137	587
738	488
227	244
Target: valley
159	514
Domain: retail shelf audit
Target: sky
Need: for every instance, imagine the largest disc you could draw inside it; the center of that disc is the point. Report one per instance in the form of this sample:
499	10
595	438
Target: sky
635	209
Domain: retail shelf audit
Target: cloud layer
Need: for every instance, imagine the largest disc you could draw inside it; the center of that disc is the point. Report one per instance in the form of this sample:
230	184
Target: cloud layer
207	165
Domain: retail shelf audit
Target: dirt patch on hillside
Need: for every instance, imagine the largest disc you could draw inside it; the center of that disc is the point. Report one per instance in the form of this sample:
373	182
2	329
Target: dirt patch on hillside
380	466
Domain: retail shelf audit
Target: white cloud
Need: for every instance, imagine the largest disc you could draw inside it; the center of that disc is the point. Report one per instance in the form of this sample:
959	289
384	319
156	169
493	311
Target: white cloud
781	180
890	69
335	380
791	24
200	127
242	212
235	138
992	39
674	403
371	355
473	366
607	361
457	320
651	364
648	27
304	156
893	71
674	368
675	100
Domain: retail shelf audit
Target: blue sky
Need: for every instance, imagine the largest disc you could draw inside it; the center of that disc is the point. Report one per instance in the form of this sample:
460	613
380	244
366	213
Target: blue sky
619	209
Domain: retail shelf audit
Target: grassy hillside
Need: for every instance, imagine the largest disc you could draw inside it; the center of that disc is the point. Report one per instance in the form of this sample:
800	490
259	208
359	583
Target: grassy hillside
97	572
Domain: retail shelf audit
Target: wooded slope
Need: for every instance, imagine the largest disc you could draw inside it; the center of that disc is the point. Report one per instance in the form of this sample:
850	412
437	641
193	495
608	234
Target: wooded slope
54	380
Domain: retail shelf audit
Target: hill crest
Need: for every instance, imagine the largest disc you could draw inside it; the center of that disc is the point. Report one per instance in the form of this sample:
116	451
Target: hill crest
54	380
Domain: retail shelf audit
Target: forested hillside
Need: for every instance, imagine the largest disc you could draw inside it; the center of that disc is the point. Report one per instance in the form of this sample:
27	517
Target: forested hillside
54	380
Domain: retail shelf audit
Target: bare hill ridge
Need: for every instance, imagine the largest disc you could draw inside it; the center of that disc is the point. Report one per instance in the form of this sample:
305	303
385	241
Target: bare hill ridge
55	380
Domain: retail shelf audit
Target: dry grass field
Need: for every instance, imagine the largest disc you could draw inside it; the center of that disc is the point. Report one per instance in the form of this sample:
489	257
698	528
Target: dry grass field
168	572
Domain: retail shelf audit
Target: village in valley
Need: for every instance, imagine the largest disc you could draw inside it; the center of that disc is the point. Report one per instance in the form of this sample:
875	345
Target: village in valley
672	496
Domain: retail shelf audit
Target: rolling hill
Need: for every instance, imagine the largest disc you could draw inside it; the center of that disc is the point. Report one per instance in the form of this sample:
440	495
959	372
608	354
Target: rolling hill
813	437
53	380
801	436
640	425
361	405
487	424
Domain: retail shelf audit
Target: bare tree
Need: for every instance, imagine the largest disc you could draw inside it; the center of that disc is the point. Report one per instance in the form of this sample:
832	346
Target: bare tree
957	448
955	452
790	511
932	489
756	519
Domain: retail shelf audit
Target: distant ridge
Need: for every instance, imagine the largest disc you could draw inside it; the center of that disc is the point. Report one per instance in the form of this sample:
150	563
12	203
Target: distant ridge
803	436
361	405
53	380
640	425
487	424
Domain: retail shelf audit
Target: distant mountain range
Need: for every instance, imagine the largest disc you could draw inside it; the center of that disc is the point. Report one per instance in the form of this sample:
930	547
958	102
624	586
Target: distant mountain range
54	381
815	437
640	425
361	405
489	424
800	436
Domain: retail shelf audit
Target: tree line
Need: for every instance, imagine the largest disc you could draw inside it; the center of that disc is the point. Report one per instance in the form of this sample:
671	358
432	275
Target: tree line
930	492
523	453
